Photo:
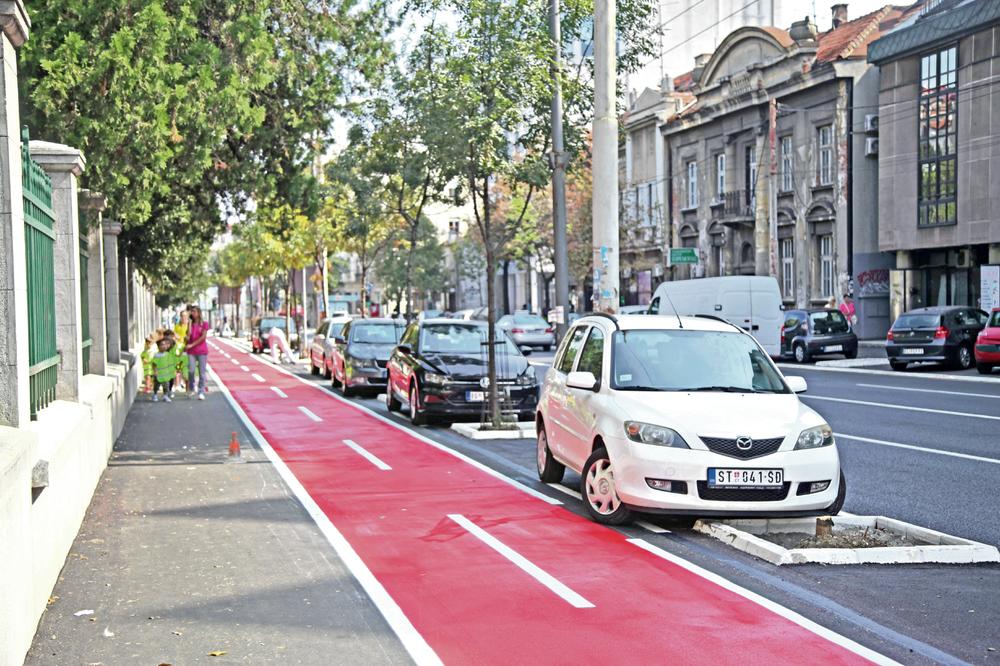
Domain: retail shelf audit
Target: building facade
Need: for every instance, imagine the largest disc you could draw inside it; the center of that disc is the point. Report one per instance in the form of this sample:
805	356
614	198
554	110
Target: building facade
938	195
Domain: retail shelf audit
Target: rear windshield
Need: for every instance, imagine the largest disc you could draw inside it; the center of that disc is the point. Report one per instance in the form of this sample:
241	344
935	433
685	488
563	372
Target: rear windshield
530	319
459	339
376	334
828	323
995	319
274	322
918	321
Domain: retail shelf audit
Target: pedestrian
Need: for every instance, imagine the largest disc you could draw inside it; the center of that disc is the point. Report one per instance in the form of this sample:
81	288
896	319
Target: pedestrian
164	363
278	343
148	349
851	312
832	303
197	352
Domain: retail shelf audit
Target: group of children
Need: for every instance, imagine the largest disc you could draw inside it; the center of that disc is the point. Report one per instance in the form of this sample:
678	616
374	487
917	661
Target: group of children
164	359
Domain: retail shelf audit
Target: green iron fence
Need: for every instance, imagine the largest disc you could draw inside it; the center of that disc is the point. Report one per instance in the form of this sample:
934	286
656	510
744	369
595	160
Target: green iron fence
39	238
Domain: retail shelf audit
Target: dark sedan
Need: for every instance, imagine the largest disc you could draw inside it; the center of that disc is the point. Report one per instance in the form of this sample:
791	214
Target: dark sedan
360	354
816	331
945	334
439	369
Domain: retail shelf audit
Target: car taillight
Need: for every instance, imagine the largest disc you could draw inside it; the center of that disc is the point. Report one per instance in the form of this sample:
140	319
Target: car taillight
517	330
782	330
550	330
889	336
941	333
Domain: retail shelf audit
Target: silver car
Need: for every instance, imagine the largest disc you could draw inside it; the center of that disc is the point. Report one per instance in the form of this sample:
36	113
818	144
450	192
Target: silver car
321	349
528	330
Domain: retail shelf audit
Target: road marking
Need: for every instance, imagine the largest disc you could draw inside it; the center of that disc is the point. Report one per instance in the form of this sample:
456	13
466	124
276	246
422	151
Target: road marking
903	388
937	376
776	608
902	407
411	639
234	361
257	377
652	528
367	455
281	394
911	447
309	414
563	489
244	368
521	562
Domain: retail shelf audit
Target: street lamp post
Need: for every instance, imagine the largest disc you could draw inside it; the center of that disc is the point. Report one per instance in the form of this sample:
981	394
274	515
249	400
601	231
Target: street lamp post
605	161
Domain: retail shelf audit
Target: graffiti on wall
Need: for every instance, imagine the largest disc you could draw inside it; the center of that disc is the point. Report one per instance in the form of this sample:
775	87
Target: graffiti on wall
874	282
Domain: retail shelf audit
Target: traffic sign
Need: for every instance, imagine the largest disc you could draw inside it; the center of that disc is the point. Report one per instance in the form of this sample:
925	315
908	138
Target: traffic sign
683	255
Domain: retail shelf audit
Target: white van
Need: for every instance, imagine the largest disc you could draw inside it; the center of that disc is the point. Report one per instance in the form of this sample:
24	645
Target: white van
751	302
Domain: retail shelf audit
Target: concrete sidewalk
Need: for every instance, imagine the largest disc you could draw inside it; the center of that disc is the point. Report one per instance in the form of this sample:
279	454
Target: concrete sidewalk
182	555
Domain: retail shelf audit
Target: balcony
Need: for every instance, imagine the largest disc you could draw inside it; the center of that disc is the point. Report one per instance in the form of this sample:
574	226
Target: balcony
739	207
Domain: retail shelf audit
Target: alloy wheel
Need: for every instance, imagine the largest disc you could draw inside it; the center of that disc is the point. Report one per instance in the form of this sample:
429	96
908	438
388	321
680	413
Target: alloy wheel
542	454
964	357
601	488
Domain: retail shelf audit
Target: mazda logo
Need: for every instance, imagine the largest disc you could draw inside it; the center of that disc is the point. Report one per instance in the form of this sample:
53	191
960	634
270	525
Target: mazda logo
744	443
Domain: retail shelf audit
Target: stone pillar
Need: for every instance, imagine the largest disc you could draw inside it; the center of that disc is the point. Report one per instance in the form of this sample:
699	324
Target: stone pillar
110	231
14	389
124	301
93	204
64	165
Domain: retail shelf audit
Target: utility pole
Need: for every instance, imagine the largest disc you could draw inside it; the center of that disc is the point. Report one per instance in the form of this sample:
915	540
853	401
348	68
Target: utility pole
605	164
561	258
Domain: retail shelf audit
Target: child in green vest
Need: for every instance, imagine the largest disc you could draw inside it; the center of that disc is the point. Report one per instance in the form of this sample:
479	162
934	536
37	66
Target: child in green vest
164	368
147	364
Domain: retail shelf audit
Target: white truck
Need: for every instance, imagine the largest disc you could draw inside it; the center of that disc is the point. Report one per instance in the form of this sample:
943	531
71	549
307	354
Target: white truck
751	302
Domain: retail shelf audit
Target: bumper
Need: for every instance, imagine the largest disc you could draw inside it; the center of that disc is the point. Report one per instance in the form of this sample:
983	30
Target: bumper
534	339
634	463
928	352
988	353
450	400
847	345
362	378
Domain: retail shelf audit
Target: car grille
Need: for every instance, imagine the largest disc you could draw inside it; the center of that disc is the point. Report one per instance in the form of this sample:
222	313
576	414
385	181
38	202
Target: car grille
727	447
381	364
742	494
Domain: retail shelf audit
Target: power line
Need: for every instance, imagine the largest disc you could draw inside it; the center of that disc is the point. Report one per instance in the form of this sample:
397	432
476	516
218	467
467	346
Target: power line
700	32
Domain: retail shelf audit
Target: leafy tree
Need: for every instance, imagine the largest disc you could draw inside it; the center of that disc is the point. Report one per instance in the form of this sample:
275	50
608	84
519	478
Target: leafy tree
426	272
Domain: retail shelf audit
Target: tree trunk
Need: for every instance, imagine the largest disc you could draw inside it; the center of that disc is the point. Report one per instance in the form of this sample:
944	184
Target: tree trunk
491	331
409	269
289	300
506	286
364	290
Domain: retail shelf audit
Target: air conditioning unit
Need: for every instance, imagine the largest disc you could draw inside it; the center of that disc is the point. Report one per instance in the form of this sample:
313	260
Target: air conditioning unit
658	270
871	146
871	123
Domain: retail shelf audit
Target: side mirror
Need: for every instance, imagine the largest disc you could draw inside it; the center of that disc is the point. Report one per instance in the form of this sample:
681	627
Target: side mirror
582	380
797	384
403	349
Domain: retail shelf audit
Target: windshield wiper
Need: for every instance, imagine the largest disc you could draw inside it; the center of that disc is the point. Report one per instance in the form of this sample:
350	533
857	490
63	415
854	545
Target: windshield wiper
722	389
642	388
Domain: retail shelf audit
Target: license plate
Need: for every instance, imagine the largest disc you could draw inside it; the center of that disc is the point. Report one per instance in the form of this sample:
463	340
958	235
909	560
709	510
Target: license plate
913	351
745	478
475	396
833	348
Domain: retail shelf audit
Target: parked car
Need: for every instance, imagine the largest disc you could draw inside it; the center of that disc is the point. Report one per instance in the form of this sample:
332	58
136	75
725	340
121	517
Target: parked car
633	309
260	331
945	334
988	345
815	331
322	346
440	369
528	330
633	405
751	302
430	314
463	314
360	354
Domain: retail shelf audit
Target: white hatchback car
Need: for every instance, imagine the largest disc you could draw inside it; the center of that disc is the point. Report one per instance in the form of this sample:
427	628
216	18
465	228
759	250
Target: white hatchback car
684	416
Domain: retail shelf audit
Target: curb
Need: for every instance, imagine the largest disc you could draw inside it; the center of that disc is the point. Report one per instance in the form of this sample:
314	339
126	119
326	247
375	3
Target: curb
985	379
525	430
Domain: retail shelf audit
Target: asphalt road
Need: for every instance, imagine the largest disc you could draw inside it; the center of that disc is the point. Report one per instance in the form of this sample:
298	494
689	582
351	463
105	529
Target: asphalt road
913	613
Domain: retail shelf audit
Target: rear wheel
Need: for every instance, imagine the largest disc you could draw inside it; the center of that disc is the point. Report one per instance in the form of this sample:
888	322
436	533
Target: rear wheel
391	403
801	355
417	416
838	503
597	485
326	369
964	358
984	368
313	370
334	380
549	470
898	365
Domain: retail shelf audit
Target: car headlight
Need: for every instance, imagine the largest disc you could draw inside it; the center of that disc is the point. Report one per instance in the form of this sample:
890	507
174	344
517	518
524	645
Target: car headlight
527	379
434	378
813	438
653	434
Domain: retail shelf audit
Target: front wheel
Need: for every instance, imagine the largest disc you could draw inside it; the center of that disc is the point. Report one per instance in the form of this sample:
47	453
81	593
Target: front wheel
801	355
851	354
549	470
417	416
391	404
838	503
313	370
964	358
600	497
984	368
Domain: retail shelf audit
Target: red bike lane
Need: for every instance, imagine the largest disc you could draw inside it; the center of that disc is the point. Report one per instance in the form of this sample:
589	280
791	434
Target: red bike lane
487	573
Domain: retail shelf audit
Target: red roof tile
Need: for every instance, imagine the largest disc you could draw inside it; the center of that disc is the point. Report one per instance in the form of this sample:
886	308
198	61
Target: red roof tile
850	40
684	82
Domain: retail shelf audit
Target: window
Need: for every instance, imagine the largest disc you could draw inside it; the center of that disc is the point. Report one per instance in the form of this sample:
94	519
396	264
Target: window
654	307
826	265
720	176
648	217
825	140
322	328
751	176
692	172
572	348
938	139
786	164
592	356
828	323
787	252
720	259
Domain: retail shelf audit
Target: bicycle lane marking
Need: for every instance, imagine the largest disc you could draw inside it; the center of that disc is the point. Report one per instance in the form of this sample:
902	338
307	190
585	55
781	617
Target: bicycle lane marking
464	598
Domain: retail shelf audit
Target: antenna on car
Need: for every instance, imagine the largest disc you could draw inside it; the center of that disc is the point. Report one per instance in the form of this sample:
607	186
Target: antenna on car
680	324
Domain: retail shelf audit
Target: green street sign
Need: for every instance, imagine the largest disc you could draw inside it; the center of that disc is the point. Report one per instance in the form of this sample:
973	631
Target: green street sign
683	255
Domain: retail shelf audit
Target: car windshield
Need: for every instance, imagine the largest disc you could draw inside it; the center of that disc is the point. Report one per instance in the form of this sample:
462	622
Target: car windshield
459	339
376	334
685	360
828	323
268	323
528	319
336	327
918	321
995	319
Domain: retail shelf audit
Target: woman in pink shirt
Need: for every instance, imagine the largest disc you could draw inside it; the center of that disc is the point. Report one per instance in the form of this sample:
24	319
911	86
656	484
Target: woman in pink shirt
197	351
849	311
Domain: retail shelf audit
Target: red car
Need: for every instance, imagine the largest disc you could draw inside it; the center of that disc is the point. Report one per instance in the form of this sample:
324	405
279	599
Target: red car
988	345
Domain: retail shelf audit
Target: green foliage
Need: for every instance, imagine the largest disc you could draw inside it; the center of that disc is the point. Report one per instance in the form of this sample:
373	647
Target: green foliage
427	272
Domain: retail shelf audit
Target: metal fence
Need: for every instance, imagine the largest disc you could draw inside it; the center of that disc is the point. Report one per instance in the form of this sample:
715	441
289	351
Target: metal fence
85	339
39	238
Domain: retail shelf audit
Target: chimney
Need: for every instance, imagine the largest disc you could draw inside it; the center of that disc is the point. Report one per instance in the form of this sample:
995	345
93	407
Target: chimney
803	31
667	84
699	65
839	14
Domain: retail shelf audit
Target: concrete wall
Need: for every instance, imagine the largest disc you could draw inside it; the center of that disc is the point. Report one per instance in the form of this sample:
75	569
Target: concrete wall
37	527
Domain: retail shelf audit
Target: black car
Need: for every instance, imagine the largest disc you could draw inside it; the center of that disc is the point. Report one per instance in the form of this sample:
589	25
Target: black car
439	369
945	334
360	354
814	331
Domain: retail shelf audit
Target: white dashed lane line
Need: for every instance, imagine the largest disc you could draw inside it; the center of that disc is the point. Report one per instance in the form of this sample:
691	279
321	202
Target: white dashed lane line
257	377
309	414
367	455
281	394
